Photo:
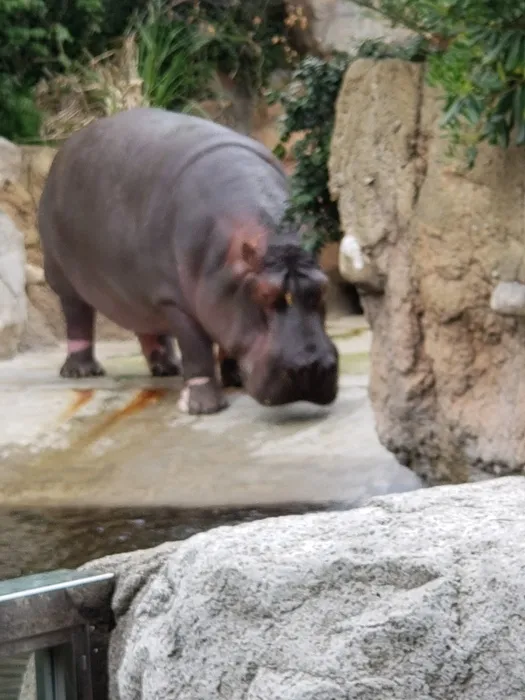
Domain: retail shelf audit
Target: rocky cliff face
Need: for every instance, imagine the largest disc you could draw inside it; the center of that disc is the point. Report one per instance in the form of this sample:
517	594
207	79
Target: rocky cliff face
438	253
39	323
339	24
13	308
412	596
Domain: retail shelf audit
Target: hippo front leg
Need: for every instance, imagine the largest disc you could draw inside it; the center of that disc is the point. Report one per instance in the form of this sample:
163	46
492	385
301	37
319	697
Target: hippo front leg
201	393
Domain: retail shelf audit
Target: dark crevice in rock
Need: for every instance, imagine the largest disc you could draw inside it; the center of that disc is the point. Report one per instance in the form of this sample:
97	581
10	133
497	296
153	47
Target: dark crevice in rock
419	141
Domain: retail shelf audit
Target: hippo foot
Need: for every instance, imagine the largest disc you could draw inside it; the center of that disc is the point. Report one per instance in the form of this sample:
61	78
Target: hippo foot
81	364
163	365
201	396
230	373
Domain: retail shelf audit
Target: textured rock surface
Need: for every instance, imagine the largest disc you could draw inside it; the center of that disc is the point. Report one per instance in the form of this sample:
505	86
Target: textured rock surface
413	596
13	306
23	171
22	175
435	241
340	25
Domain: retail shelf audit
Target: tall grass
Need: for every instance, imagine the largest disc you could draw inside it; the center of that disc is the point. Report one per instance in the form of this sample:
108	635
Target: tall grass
170	58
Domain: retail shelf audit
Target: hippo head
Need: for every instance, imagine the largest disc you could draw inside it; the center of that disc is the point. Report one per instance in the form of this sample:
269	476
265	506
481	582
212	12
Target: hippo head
285	354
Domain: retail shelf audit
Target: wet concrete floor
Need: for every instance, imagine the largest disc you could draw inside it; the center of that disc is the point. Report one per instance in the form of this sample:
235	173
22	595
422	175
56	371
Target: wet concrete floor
105	465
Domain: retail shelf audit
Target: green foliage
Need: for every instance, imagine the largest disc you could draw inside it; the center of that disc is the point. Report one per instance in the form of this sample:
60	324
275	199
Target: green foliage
478	61
310	107
181	43
35	34
181	47
244	39
19	117
170	55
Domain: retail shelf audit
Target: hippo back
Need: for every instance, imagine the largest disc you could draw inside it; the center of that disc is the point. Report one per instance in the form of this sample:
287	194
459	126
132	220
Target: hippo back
129	193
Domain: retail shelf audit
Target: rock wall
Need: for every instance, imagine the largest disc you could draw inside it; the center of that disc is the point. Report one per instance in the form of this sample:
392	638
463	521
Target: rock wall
438	253
339	25
412	596
13	307
23	171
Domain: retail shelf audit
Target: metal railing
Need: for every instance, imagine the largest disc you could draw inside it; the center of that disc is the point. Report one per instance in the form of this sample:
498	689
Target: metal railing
45	640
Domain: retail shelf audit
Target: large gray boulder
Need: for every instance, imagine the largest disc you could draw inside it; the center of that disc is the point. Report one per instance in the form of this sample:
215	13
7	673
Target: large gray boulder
416	596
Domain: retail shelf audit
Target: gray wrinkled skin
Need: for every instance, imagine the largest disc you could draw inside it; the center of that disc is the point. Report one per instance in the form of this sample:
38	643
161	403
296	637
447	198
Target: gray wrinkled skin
416	596
171	226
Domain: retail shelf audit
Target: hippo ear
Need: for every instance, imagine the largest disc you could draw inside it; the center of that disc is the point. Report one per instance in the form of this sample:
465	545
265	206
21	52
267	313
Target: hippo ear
251	255
248	242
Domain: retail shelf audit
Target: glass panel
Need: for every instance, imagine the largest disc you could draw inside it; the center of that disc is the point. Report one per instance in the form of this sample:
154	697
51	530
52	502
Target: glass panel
17	677
64	673
47	674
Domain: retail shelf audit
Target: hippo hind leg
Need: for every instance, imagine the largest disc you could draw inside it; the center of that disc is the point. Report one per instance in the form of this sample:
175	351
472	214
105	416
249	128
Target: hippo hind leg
80	327
160	355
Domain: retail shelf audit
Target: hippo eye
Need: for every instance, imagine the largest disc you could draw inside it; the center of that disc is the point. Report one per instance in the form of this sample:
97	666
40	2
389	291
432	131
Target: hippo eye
281	303
314	299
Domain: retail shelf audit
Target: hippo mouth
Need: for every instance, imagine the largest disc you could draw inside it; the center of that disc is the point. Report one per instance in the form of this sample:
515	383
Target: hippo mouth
315	383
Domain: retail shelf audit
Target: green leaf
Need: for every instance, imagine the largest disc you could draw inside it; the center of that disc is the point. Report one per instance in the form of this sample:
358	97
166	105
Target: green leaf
514	54
472	154
452	112
505	103
503	135
279	151
520	133
519	104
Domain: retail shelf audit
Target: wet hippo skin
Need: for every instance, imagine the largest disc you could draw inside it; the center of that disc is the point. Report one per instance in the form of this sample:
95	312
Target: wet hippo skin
173	226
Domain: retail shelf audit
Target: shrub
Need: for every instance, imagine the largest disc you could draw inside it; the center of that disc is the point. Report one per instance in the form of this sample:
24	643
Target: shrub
181	44
20	119
479	62
244	39
35	34
309	106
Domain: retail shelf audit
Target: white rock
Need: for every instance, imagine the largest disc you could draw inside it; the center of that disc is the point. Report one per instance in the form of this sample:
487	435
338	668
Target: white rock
350	252
416	596
13	303
508	299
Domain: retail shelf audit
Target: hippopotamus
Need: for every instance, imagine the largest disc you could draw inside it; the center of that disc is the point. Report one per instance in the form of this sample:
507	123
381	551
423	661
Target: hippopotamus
174	226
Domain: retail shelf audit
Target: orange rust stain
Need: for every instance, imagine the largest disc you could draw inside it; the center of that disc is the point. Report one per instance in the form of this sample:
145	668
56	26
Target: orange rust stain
82	397
144	398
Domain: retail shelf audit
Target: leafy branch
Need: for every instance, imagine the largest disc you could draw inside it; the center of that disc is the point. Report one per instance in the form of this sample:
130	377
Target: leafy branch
478	60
